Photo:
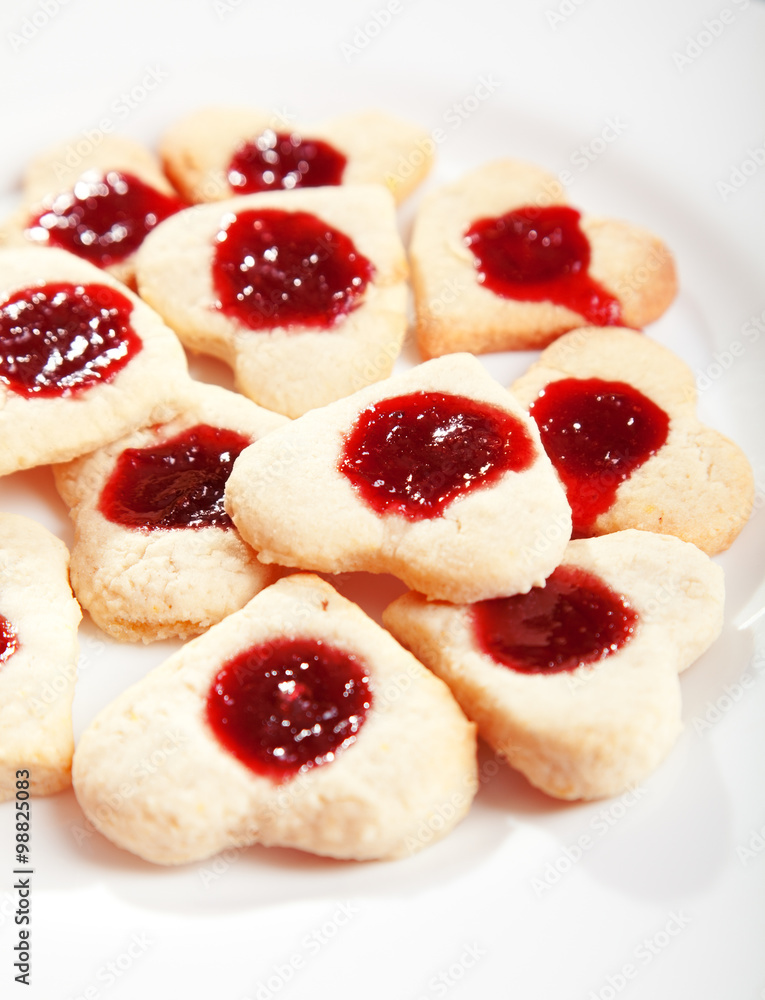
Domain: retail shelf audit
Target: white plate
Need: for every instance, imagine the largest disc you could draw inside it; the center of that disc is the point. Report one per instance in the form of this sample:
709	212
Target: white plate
657	894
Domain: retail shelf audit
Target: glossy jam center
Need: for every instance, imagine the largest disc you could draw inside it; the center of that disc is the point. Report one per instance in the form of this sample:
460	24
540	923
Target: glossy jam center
414	454
59	339
573	620
9	640
276	268
596	434
104	218
179	483
541	254
288	704
284	160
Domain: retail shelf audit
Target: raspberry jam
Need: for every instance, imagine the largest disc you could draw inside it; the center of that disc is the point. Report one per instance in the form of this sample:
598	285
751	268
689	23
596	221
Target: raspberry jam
596	434
104	218
284	160
412	455
541	254
176	484
275	268
9	640
59	339
288	705
575	619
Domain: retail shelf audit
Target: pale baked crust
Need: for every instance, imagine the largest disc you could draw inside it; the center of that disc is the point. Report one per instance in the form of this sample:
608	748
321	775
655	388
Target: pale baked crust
294	369
156	584
380	148
37	431
294	507
57	170
37	680
597	730
456	313
406	781
699	485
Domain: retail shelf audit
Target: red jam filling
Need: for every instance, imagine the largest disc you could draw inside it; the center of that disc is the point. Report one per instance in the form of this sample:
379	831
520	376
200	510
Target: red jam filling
284	160
575	619
104	218
596	434
58	339
541	254
275	268
414	454
9	640
177	484
288	705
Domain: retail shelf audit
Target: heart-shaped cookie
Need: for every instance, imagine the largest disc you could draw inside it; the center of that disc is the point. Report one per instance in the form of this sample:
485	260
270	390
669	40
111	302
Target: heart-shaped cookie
500	262
95	196
302	292
82	359
617	414
297	721
215	153
575	683
38	659
155	554
436	475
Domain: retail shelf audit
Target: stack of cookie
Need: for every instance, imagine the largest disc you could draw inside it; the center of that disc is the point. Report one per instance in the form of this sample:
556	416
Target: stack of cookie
556	535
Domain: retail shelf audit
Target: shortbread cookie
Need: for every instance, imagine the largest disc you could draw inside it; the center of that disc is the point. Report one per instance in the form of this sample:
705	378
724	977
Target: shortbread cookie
155	554
303	293
296	722
96	200
38	659
215	153
617	415
82	359
499	262
576	683
436	476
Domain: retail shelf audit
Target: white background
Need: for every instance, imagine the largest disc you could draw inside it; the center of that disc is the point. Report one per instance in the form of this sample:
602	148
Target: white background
663	902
